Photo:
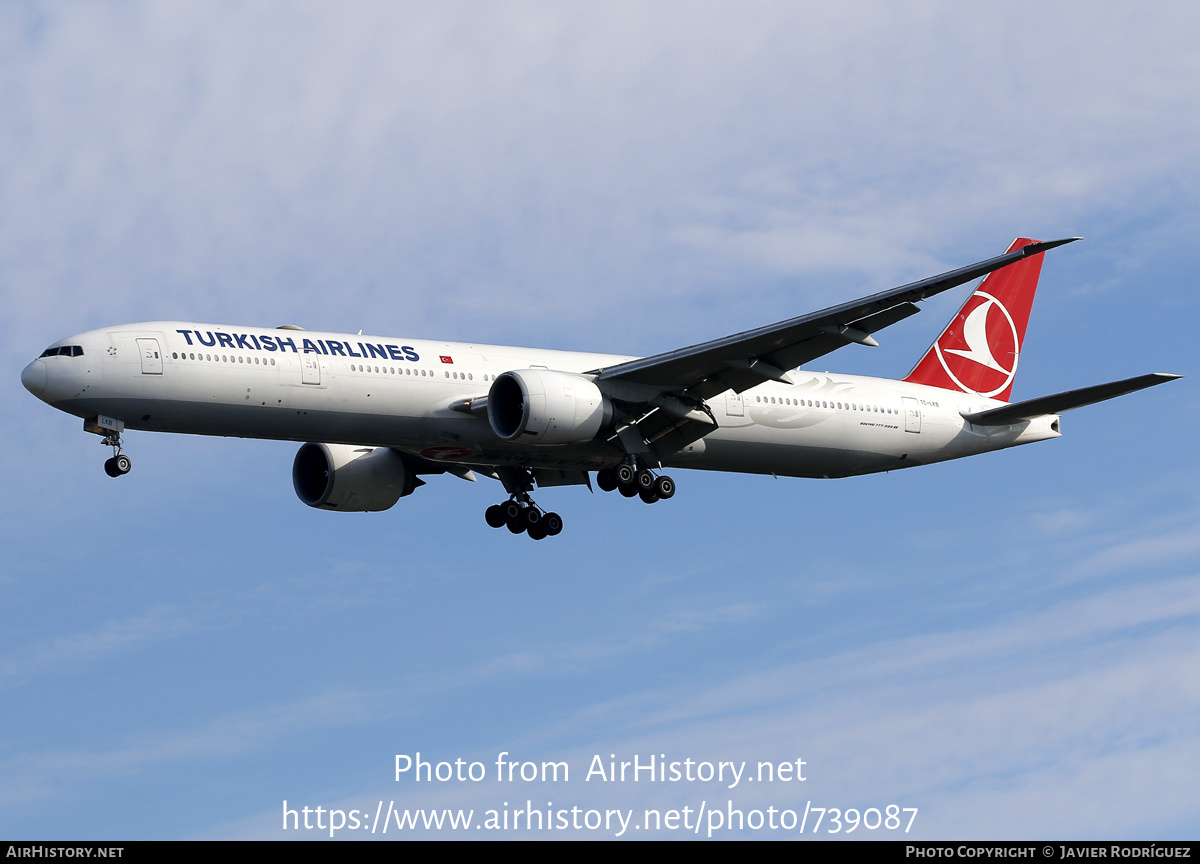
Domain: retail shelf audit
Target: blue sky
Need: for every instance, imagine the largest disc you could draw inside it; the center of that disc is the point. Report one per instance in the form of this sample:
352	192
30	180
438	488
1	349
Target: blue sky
1008	643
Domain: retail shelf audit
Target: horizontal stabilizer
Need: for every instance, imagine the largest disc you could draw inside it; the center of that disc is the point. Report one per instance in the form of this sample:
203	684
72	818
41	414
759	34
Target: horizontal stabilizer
1060	402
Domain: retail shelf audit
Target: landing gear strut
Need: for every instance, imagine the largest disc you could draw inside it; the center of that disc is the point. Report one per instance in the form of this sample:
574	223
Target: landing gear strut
520	514
119	464
630	480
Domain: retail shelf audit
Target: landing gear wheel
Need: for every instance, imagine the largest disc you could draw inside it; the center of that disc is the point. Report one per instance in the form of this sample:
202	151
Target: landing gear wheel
645	480
664	487
110	467
625	474
648	495
606	479
514	517
511	510
628	491
122	463
520	514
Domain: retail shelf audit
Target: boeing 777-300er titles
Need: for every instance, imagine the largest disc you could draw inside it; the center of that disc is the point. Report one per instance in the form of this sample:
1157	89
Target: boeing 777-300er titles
387	411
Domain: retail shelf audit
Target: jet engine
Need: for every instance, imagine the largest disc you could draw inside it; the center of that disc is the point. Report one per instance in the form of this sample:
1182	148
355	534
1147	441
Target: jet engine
540	406
342	477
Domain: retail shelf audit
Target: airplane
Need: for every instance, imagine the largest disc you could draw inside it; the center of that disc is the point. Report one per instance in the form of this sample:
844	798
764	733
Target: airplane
376	414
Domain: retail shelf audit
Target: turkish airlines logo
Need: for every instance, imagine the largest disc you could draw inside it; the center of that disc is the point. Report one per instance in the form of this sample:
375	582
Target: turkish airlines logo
987	339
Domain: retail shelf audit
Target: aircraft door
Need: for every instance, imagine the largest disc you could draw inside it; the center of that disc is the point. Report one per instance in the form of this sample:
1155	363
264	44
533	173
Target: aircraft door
310	369
151	356
912	414
734	406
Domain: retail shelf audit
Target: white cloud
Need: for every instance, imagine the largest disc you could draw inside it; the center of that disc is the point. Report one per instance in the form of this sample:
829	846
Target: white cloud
446	165
1062	723
34	775
71	651
1157	550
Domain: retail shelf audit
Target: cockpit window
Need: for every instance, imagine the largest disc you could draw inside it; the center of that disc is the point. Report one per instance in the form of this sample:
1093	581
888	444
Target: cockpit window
64	350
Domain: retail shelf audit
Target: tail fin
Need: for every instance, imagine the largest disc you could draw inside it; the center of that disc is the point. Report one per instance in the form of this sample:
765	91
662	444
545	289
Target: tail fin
979	349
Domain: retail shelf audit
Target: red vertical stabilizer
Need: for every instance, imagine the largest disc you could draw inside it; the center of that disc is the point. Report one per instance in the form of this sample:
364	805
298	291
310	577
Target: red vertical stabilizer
979	350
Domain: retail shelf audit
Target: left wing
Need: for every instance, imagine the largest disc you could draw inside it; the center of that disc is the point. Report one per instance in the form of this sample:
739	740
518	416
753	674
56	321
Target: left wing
665	393
743	360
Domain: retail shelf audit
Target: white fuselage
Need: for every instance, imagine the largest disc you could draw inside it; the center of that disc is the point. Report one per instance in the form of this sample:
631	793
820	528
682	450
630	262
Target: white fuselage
365	390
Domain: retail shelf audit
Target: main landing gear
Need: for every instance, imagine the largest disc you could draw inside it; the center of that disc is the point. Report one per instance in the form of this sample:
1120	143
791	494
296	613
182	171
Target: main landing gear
630	480
520	515
119	464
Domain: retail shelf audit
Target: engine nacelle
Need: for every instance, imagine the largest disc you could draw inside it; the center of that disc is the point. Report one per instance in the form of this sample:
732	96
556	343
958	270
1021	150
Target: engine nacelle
540	406
346	478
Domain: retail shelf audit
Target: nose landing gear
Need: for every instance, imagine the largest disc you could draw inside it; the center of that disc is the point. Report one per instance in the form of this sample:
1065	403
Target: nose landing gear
119	464
109	429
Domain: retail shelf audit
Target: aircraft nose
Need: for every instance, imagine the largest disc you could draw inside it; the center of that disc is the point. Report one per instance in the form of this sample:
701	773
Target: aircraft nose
33	377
